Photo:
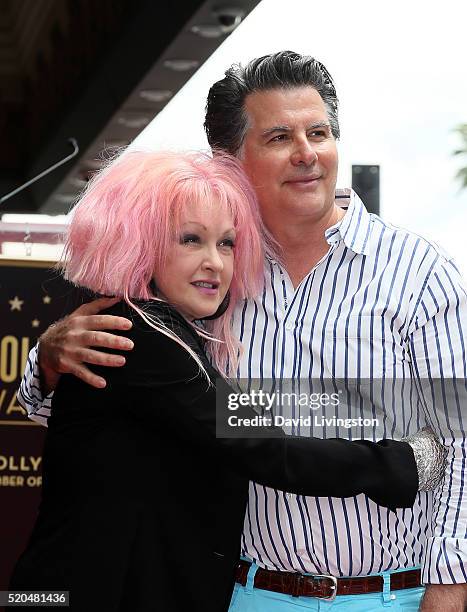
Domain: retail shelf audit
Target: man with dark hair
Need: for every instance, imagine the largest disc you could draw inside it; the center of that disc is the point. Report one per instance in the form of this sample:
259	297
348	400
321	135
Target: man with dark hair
351	298
226	121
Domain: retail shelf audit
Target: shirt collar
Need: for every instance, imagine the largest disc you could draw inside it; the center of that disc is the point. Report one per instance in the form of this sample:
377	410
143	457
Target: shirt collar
355	227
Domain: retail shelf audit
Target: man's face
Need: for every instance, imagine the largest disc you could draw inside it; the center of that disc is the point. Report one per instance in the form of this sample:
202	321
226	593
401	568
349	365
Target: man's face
290	154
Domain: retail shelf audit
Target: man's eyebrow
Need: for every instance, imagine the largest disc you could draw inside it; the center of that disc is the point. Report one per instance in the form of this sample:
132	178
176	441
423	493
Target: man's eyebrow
319	124
276	128
287	128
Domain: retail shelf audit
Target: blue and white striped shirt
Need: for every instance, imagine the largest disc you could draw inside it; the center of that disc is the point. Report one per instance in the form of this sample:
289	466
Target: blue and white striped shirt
384	304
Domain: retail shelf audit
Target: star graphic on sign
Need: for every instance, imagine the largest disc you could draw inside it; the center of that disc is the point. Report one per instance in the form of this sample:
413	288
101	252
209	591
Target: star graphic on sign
35	323
46	299
16	303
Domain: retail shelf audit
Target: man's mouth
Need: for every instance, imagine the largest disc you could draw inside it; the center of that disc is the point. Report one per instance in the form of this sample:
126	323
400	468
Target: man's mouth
303	179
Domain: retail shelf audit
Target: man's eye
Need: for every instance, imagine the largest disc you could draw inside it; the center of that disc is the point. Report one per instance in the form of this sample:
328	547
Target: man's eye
189	239
278	138
319	134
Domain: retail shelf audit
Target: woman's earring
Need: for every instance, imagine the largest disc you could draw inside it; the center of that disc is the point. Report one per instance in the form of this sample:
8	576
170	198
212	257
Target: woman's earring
153	287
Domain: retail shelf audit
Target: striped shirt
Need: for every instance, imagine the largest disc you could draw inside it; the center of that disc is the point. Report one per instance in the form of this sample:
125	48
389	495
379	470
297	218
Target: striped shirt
383	304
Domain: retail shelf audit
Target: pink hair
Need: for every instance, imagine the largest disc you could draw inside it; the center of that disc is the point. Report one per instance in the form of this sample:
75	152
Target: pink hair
128	216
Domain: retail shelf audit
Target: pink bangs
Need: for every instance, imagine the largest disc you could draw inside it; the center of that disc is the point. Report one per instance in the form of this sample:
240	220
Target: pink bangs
129	214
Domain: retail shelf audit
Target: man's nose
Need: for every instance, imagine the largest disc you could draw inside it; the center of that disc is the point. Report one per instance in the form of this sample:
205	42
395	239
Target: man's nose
304	153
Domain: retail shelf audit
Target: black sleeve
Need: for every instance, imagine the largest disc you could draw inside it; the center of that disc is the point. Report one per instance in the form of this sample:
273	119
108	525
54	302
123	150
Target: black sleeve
167	389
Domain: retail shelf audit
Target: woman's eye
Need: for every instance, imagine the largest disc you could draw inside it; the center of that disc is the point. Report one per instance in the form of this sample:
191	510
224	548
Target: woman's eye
189	239
227	242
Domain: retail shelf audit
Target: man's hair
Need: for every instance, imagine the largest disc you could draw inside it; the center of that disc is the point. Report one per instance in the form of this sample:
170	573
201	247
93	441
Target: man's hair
125	223
226	121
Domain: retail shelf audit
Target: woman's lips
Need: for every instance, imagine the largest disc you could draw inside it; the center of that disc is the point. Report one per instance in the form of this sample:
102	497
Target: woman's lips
207	290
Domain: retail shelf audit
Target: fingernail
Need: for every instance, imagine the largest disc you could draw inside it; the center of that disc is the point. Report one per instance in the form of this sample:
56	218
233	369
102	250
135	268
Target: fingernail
127	324
101	383
120	360
128	344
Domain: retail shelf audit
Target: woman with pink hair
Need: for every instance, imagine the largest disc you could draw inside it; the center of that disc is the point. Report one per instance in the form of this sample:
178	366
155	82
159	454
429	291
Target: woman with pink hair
143	505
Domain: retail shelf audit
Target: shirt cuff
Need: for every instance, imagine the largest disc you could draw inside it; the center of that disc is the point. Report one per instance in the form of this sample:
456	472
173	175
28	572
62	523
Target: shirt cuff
29	393
445	561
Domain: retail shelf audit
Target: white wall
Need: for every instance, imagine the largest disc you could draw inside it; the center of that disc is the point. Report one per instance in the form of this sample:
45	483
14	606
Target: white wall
400	72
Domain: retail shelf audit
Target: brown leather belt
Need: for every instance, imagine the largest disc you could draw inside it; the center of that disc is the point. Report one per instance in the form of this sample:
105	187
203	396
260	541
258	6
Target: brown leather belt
323	585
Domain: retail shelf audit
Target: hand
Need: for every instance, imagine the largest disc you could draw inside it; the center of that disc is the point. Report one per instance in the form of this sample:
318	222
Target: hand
445	597
64	346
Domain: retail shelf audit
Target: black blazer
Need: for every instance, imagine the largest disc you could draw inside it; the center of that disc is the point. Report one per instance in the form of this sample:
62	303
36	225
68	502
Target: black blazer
143	506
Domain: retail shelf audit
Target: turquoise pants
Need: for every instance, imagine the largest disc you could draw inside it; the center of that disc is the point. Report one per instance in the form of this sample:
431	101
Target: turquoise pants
248	599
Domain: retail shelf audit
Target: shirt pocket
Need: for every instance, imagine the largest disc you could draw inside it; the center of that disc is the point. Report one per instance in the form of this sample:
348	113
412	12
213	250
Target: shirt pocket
359	349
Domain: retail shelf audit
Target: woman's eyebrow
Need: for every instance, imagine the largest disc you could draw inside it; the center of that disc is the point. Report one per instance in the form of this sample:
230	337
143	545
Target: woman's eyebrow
194	223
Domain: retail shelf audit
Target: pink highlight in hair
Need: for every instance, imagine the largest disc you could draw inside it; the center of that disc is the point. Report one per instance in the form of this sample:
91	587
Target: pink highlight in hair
126	220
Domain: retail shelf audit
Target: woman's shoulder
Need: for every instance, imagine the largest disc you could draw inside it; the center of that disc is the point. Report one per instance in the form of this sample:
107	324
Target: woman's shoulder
144	313
160	331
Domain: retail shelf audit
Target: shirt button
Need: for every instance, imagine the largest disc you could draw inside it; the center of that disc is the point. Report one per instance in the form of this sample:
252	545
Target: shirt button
289	326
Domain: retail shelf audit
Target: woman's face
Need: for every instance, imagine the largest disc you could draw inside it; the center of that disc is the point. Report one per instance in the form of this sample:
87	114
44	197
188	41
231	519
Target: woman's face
200	262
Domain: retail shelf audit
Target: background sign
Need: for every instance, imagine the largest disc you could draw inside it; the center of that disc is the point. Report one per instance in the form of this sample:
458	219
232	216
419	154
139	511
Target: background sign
32	295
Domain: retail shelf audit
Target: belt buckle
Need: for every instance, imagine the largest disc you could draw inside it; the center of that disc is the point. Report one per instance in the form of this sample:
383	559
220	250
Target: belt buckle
333	580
